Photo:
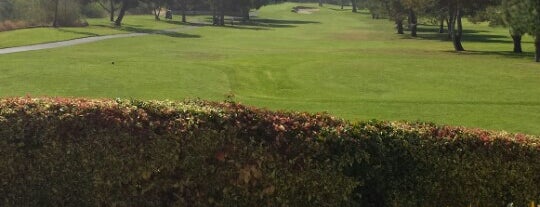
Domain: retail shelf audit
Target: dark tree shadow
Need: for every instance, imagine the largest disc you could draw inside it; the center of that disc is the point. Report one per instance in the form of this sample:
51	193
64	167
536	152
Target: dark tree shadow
509	54
195	24
253	24
341	10
282	21
170	33
432	33
77	32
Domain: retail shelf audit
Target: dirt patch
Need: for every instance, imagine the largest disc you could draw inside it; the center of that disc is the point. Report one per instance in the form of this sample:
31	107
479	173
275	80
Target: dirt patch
304	10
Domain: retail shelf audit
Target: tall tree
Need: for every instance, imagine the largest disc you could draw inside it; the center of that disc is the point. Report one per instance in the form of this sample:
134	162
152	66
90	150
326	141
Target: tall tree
126	4
416	8
396	12
514	16
534	25
456	10
111	6
55	20
183	8
221	12
413	22
157	6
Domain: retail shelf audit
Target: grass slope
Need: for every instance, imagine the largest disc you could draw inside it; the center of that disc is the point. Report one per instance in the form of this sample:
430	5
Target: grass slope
333	60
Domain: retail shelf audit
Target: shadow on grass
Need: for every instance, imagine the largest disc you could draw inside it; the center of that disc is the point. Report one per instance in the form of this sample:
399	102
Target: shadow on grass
509	54
263	24
432	33
77	32
253	24
341	10
169	33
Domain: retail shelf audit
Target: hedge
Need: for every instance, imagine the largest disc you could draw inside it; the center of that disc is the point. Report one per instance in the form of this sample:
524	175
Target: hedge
83	152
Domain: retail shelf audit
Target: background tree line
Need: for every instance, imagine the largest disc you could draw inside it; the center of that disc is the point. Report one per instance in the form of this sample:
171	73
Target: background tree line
27	13
520	16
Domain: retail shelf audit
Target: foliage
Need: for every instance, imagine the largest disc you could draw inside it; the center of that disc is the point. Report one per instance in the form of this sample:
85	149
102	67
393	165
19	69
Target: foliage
41	12
147	153
93	10
90	152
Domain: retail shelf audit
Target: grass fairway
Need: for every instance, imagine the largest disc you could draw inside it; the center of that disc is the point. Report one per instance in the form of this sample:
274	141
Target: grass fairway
346	64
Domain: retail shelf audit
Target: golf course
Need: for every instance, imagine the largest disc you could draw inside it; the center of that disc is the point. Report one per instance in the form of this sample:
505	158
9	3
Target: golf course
329	60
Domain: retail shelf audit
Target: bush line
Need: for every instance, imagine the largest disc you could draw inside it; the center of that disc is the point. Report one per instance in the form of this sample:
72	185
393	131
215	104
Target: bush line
84	152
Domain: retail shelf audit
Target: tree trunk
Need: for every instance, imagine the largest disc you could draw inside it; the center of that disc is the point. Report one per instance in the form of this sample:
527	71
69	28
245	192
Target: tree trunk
457	33
342	4
183	7
409	21
413	21
399	26
214	13
537	48
354	9
121	15
222	13
112	10
157	12
320	3
55	20
245	14
450	23
441	26
517	43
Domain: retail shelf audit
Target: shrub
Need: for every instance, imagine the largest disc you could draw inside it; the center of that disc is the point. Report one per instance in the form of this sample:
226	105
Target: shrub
88	152
12	25
428	165
149	153
93	10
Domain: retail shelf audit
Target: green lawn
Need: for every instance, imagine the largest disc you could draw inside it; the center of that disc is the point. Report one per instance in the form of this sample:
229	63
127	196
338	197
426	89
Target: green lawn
346	64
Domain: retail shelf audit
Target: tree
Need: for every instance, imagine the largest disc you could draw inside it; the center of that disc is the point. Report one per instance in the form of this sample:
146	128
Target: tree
111	6
514	17
534	25
396	11
126	4
354	6
414	8
157	6
376	8
183	8
55	20
456	10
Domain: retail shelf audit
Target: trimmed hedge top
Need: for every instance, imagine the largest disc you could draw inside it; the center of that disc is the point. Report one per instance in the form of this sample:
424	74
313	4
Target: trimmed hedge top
59	151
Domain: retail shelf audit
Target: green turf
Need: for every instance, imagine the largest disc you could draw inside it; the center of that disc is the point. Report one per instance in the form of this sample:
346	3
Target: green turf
346	64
